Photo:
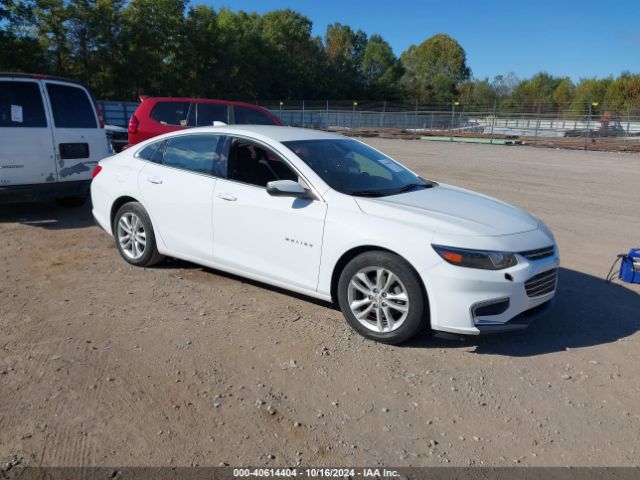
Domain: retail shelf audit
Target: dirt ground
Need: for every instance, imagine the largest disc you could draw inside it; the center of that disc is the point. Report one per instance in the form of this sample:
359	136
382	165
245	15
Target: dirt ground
106	364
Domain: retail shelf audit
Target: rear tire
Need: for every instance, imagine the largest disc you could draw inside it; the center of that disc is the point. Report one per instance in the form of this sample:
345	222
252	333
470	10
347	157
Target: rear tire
381	297
134	236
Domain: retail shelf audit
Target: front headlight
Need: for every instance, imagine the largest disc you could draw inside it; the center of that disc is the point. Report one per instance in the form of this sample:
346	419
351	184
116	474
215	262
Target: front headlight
486	260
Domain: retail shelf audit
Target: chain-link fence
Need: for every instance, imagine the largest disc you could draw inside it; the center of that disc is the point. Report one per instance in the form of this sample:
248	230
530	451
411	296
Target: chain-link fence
589	126
117	113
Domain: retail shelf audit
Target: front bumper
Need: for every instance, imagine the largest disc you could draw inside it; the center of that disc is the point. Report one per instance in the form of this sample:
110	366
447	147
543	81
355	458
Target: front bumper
520	321
454	292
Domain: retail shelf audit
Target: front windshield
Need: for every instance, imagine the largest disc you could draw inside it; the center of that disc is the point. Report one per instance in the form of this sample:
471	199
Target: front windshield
353	168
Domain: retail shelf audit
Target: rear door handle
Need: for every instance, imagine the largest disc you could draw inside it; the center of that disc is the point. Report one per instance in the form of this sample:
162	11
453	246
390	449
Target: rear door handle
227	196
154	180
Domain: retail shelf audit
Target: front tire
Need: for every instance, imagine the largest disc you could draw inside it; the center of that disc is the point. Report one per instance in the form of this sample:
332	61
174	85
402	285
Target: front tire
134	236
381	297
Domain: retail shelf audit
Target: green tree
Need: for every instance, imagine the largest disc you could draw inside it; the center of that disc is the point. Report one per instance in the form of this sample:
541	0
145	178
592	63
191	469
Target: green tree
295	56
381	70
244	56
434	69
588	91
344	51
477	94
153	30
20	49
94	31
564	92
536	92
623	94
199	61
51	21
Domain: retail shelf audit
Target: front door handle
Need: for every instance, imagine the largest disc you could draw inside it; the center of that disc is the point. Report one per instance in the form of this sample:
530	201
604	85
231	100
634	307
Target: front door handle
154	180
227	196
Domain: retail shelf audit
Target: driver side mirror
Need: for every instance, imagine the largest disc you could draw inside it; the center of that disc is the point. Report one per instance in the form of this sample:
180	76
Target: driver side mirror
287	188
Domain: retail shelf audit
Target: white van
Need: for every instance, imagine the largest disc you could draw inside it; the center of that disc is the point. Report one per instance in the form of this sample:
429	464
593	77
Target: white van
51	137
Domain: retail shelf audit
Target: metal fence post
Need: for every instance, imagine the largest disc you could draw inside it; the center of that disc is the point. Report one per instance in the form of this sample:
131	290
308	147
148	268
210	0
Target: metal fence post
626	133
493	119
535	136
327	114
453	112
586	138
303	122
353	115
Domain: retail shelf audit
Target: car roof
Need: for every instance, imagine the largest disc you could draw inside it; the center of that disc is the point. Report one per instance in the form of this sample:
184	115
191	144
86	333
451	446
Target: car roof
38	76
272	132
152	99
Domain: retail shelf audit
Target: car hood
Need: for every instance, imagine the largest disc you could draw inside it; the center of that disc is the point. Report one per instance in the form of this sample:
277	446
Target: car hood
446	209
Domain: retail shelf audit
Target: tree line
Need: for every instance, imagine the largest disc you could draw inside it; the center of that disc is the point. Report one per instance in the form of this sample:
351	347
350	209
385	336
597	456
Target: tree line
170	47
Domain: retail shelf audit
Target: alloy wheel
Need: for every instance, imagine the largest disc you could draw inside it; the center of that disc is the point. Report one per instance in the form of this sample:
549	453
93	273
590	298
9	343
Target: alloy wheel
378	299
131	235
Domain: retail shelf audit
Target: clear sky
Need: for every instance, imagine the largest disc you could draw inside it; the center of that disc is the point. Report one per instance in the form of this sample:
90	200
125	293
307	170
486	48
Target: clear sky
574	38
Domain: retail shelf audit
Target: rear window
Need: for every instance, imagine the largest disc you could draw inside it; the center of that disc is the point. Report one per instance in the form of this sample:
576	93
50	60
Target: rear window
21	105
153	152
251	116
71	107
211	112
171	113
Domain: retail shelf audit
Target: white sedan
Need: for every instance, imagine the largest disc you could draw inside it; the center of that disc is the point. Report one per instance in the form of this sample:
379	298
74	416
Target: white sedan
333	218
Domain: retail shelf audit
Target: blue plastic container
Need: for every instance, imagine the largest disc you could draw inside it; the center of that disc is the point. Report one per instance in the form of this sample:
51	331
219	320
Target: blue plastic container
630	267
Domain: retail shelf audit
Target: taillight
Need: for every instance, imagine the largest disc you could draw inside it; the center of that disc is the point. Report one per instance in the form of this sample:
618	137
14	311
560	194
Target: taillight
96	170
133	124
100	117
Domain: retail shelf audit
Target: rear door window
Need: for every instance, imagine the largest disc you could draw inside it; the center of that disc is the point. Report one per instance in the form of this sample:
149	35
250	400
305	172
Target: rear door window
171	113
211	112
195	153
153	152
251	116
71	107
21	105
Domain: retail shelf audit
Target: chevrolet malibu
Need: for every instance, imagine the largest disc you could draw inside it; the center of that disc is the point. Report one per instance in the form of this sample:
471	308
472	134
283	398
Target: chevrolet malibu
332	218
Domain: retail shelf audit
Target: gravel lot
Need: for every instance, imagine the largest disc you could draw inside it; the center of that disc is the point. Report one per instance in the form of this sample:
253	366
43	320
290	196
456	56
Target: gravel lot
105	364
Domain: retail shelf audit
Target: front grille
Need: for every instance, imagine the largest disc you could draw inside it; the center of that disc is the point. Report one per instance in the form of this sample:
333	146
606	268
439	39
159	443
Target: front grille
542	283
539	253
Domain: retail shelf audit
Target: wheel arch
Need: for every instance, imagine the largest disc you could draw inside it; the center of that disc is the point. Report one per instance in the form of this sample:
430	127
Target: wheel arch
119	202
350	254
